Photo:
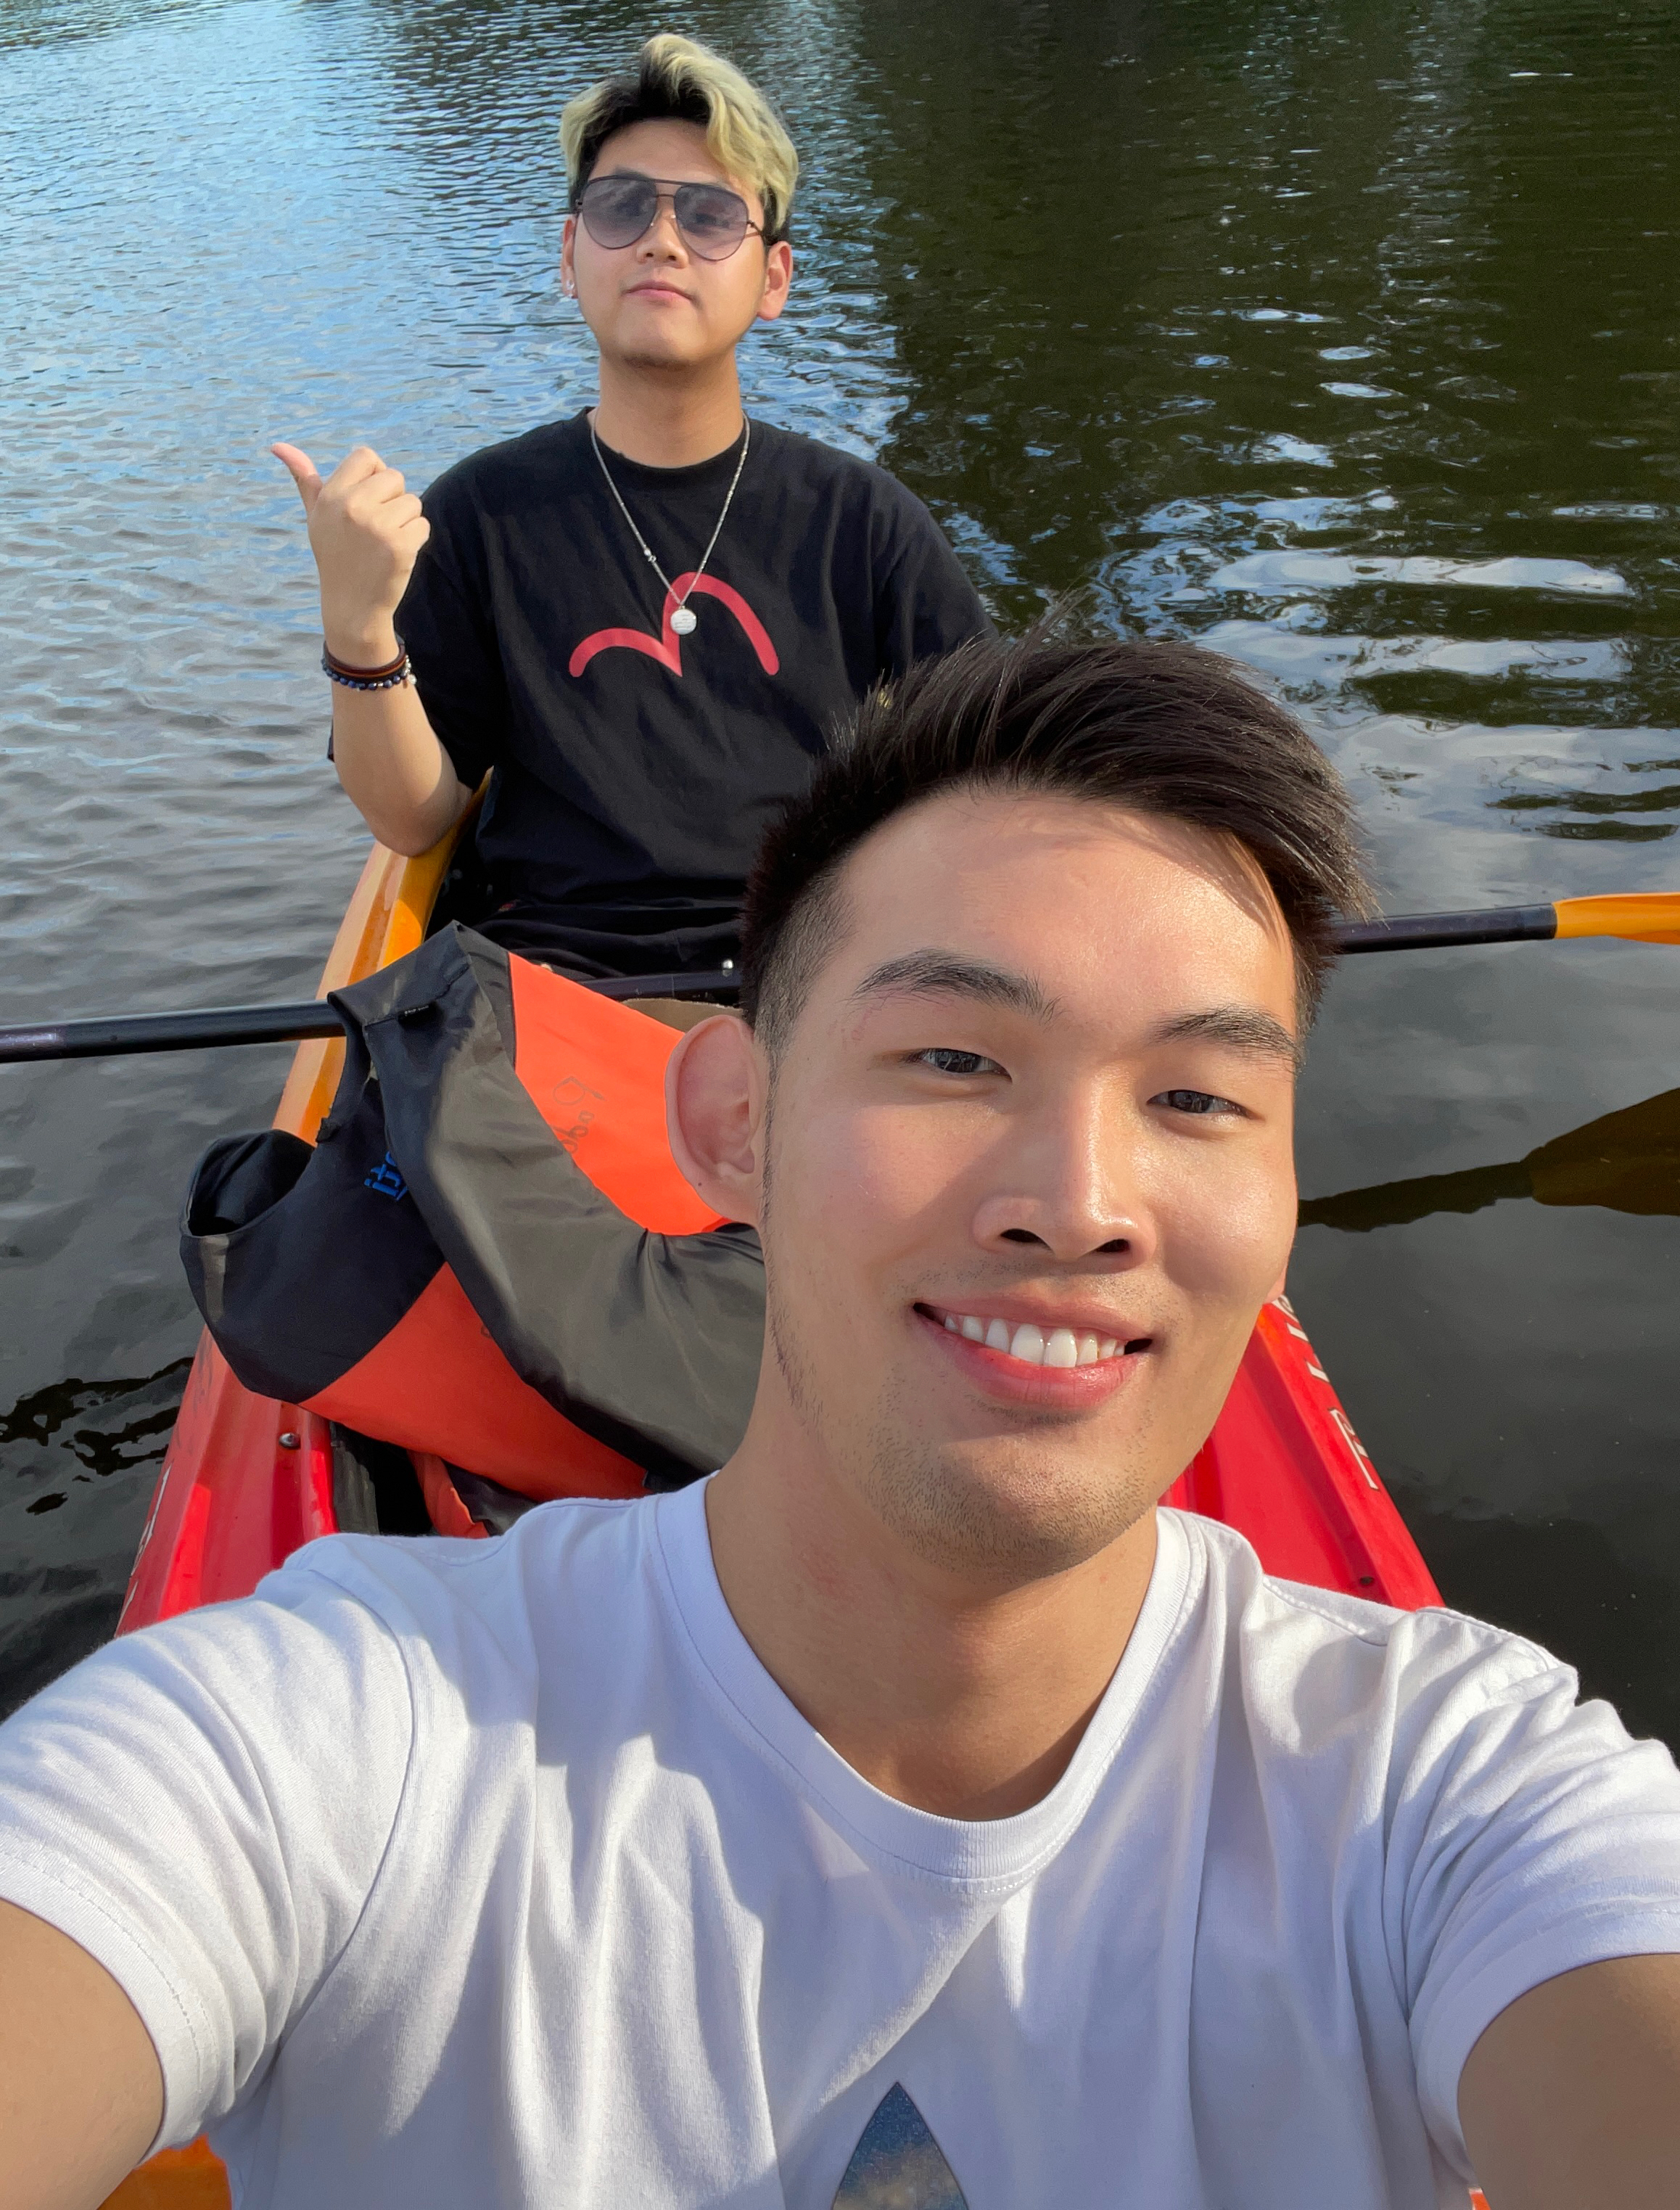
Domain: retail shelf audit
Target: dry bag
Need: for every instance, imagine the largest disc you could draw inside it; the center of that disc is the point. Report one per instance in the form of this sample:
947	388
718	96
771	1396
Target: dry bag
489	1254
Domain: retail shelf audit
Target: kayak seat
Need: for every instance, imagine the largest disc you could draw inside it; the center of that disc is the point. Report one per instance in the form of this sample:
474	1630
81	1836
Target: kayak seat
376	1490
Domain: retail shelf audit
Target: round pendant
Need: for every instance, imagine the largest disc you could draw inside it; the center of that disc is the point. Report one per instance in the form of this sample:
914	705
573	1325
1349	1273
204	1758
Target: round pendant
684	620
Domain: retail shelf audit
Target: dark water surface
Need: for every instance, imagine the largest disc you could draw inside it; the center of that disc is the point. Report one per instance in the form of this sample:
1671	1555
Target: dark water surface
1343	337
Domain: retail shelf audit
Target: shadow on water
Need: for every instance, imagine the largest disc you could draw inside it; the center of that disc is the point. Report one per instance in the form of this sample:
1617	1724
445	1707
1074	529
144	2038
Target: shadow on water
1628	1161
1559	1580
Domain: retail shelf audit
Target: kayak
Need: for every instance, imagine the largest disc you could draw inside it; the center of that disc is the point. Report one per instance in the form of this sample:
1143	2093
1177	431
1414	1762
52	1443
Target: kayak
247	1479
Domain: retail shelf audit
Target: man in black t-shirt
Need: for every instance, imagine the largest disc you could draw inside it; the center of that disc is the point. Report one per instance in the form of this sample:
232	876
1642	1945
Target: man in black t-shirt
647	622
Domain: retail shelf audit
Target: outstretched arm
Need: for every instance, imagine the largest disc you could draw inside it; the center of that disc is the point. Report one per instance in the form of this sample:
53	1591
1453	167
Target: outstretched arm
81	2090
1571	2098
366	530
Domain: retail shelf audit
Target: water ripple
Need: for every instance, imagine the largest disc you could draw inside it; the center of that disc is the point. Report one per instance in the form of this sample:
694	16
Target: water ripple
1287	575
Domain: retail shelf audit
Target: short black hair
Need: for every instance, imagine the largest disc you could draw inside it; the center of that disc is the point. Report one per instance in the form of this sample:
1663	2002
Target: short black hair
1160	728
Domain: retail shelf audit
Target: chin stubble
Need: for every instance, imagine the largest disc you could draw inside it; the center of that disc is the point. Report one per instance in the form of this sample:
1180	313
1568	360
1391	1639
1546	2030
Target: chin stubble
1027	1515
1022	1519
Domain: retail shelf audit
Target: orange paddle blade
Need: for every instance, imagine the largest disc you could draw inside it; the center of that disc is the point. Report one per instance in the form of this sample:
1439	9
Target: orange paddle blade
1648	917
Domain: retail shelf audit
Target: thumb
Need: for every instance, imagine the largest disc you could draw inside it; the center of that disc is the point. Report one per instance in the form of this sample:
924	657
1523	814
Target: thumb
302	472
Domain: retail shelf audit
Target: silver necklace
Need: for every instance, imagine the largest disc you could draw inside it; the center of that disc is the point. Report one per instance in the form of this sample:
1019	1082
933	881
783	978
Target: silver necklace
683	615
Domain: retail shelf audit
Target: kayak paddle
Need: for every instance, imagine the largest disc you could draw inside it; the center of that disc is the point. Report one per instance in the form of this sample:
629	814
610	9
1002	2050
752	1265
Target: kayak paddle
108	1036
1644	917
1648	917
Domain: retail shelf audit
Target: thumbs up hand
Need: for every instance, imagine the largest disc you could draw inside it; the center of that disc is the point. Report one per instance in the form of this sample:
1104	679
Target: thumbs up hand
365	530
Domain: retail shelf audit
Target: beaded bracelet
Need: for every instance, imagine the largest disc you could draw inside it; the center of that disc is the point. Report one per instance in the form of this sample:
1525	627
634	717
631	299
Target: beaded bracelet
388	677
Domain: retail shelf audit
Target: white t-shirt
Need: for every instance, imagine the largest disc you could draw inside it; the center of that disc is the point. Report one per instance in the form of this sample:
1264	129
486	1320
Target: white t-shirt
502	1874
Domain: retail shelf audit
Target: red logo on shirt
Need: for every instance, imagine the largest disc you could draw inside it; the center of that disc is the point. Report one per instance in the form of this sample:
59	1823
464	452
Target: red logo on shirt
667	646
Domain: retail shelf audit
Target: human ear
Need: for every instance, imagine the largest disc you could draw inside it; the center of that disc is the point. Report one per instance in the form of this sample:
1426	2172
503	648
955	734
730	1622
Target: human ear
568	268
714	1090
778	275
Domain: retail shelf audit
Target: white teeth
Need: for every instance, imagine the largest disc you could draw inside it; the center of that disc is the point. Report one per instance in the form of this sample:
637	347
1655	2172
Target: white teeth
1061	1347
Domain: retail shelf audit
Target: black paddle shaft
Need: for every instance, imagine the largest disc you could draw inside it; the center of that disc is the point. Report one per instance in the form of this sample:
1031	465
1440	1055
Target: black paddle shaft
109	1037
1416	932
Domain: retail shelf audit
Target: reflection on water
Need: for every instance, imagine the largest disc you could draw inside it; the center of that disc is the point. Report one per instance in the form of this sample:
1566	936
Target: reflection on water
1311	575
1340	336
106	1440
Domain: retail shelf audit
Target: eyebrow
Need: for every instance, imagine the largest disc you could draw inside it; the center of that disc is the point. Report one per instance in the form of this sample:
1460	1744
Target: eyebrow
1244	1028
946	974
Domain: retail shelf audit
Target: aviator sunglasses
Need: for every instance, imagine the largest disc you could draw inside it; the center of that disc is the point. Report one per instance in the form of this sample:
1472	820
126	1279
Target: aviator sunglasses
617	210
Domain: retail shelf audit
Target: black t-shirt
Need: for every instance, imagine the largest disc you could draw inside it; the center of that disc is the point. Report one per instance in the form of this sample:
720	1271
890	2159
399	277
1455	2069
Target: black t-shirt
635	769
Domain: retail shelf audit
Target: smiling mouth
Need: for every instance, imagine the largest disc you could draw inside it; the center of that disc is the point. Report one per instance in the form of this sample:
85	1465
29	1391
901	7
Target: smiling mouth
1031	1345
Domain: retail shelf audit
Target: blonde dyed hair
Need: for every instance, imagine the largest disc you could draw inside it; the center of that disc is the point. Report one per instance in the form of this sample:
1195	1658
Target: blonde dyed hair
678	80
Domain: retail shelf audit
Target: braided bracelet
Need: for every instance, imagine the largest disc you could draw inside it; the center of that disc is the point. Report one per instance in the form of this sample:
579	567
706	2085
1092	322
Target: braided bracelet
393	673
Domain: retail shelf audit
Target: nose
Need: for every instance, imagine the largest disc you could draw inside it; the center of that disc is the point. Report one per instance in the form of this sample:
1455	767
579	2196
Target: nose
1068	1180
662	240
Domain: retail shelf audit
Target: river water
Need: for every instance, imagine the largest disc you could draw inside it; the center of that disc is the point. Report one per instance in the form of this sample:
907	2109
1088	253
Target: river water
1341	336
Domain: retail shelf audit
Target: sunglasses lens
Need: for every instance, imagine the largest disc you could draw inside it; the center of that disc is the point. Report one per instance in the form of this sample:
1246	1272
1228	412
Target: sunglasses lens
713	221
618	209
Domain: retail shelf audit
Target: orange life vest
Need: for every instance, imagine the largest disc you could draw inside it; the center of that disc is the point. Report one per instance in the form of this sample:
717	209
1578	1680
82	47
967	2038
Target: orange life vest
435	1379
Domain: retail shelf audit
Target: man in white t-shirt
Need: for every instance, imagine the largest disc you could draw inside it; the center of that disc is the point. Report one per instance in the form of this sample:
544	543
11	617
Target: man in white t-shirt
913	1814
